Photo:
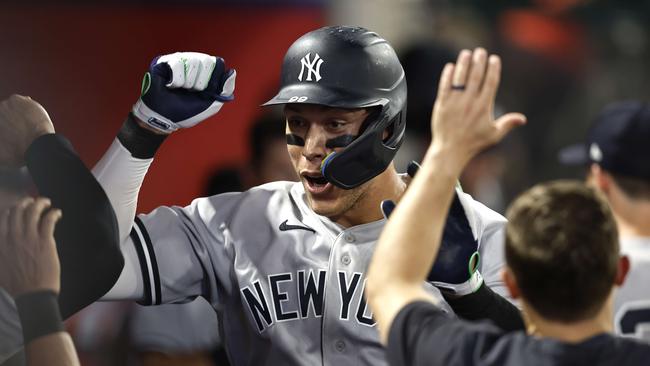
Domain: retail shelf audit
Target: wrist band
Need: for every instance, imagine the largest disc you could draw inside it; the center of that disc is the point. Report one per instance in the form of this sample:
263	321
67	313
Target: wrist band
458	290
39	314
140	142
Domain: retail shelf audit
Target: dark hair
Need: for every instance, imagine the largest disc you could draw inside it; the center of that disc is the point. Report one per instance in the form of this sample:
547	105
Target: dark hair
223	180
635	188
263	131
562	246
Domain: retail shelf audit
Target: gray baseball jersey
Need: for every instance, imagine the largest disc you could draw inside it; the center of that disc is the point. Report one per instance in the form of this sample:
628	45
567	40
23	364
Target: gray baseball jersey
286	283
632	300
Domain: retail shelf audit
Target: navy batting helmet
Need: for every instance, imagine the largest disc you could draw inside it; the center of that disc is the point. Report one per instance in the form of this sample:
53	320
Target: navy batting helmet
350	67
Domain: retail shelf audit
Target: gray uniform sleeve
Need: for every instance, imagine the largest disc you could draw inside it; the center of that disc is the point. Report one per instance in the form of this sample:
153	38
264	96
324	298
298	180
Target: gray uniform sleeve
181	250
171	254
175	328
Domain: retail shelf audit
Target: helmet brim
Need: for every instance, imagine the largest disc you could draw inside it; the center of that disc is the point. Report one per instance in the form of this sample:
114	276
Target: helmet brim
317	94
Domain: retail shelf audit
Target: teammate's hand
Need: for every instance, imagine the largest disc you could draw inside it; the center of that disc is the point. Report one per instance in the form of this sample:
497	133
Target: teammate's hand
22	120
28	258
463	115
182	89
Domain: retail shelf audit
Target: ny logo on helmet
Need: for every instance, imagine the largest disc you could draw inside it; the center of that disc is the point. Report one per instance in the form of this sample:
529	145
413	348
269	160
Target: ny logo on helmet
313	67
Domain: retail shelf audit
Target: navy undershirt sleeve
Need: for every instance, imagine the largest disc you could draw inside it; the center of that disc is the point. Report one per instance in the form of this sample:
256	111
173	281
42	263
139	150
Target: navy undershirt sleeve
485	304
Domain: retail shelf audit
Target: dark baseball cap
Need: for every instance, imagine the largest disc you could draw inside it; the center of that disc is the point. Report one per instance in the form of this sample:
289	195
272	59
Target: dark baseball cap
618	141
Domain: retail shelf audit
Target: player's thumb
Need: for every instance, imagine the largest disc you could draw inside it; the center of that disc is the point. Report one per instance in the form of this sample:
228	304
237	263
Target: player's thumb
507	122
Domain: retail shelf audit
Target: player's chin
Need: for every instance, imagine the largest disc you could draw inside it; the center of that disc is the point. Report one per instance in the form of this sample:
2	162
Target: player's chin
324	208
324	203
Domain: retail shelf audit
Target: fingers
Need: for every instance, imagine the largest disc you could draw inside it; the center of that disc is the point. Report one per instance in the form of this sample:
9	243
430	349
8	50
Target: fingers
192	67
492	79
190	70
462	68
206	66
467	75
444	85
33	214
26	221
462	115
177	67
16	219
479	59
506	123
48	223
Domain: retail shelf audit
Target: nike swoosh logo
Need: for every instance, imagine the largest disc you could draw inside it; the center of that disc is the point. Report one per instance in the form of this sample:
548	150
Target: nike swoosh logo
285	227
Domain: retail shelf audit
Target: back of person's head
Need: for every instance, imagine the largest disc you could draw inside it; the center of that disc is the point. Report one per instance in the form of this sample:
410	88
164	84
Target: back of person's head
268	147
264	132
224	179
562	247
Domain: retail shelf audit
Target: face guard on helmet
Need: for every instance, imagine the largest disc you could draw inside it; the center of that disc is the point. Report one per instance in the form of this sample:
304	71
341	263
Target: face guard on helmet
350	67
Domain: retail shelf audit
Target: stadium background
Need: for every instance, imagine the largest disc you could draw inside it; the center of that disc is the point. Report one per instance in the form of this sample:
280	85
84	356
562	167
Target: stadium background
563	59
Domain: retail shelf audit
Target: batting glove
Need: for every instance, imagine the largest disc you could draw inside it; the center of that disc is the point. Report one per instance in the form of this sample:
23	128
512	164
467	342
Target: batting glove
455	271
182	89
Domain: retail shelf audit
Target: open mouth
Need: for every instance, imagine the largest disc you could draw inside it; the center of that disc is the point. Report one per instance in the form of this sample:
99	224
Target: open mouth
316	182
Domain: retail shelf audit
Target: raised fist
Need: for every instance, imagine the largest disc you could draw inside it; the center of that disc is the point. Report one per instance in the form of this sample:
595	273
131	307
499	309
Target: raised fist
182	89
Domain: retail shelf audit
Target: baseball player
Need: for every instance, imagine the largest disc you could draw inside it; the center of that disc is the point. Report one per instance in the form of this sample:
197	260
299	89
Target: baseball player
562	253
284	263
616	153
190	332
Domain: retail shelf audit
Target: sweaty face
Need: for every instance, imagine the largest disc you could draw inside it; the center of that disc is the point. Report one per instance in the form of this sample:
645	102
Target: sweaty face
315	125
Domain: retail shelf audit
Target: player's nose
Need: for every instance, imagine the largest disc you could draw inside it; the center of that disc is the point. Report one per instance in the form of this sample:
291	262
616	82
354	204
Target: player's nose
315	142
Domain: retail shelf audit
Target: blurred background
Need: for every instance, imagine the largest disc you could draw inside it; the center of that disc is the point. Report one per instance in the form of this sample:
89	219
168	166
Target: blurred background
563	60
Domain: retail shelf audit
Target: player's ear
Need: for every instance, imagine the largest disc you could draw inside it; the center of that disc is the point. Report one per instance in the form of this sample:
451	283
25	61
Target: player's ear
511	282
621	271
599	178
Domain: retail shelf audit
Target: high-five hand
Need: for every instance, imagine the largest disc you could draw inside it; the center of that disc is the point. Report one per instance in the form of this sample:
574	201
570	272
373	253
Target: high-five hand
463	114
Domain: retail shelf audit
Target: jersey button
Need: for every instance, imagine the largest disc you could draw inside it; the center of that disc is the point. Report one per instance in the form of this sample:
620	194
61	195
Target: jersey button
346	259
350	238
340	346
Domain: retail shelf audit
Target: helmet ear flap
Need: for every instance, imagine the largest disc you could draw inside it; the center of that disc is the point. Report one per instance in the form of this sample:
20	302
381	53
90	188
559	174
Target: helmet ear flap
325	163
